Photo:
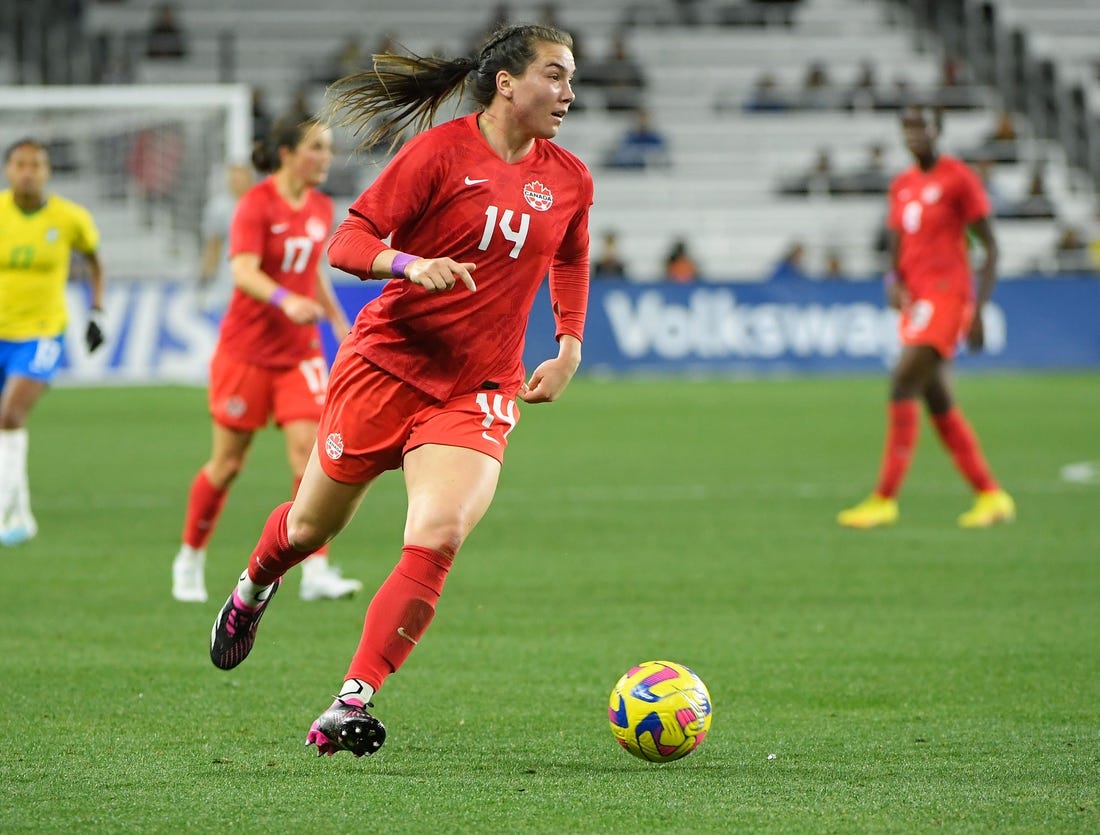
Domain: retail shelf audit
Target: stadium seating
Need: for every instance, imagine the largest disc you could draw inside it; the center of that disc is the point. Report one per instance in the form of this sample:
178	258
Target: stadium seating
720	191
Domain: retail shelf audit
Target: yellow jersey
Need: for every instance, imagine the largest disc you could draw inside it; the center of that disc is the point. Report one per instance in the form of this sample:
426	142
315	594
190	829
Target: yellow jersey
35	249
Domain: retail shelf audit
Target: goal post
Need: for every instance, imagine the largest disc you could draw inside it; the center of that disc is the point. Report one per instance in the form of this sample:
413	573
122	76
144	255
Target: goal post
143	159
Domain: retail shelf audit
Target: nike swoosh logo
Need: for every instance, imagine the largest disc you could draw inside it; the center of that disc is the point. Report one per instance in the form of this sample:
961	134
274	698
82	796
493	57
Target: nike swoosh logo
490	438
279	227
401	631
470	182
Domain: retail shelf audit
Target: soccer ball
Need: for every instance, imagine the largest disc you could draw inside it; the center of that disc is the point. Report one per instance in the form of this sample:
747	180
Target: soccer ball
659	711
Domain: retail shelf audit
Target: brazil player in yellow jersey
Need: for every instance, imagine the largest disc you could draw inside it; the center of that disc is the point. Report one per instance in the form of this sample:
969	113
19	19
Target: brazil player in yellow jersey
38	234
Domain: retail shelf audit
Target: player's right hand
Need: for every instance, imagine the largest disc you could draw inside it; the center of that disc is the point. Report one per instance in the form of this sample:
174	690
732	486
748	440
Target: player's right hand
302	310
897	296
435	274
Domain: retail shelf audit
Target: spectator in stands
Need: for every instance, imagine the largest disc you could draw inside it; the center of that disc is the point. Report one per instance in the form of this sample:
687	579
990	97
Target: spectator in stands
817	181
641	146
261	116
956	91
165	37
896	97
766	97
619	76
500	18
818	92
872	178
680	266
551	16
834	265
862	94
346	60
215	281
1001	144
607	264
1035	204
686	12
1071	251
792	264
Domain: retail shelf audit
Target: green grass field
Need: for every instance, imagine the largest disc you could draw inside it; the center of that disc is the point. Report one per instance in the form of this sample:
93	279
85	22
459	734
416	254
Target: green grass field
916	679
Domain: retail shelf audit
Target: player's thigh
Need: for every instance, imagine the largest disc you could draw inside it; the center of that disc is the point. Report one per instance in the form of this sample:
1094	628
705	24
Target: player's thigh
322	506
29	368
916	367
300	436
449	489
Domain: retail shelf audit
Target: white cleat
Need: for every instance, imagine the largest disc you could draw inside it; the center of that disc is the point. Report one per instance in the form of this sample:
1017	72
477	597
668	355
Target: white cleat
18	531
189	575
321	581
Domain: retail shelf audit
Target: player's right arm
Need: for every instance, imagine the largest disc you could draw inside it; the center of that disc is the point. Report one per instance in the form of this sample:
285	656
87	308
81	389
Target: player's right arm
254	282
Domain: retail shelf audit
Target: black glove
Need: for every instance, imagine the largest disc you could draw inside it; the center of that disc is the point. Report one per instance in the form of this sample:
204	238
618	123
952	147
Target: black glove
93	334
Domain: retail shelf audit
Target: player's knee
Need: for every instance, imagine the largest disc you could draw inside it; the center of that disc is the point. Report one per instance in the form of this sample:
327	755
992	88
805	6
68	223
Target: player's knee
13	416
223	471
442	536
305	534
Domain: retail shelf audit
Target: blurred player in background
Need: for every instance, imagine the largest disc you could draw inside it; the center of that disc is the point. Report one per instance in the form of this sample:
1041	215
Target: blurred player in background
932	205
429	379
215	281
39	233
268	363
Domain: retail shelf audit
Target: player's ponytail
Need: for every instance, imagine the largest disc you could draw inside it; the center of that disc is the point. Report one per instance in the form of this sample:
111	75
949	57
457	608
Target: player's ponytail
287	132
407	90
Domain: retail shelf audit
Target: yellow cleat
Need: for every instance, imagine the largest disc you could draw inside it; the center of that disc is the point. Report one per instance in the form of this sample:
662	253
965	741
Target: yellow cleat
989	508
873	512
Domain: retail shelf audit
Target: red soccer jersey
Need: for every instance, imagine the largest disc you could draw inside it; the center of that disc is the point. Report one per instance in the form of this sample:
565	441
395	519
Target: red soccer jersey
290	243
930	210
448	194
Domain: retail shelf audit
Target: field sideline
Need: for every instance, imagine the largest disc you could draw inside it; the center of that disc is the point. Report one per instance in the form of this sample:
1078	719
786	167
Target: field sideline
917	679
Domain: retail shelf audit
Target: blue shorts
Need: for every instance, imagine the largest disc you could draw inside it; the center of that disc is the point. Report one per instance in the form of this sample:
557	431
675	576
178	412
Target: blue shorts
35	358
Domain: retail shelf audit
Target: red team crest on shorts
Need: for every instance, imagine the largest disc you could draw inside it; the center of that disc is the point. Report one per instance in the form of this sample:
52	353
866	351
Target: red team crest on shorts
538	196
334	445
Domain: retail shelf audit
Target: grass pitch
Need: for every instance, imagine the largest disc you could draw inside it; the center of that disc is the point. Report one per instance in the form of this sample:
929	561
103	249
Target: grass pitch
921	678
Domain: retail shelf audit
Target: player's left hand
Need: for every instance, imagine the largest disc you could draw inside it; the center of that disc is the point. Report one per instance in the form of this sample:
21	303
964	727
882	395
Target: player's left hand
93	334
975	337
548	381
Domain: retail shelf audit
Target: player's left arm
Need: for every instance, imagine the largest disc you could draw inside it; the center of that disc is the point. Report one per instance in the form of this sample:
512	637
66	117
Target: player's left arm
334	312
94	334
982	230
569	297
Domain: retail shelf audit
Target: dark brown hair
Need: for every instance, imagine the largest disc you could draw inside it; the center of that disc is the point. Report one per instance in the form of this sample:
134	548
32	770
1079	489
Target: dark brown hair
408	89
287	132
25	142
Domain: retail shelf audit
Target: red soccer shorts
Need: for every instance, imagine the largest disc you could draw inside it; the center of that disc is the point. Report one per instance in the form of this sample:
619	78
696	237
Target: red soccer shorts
940	321
372	419
245	396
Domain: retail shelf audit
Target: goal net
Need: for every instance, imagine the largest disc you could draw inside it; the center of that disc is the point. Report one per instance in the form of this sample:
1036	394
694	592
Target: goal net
143	159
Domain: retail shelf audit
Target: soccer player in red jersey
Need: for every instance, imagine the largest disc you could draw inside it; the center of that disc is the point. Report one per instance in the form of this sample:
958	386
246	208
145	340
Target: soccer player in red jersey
268	363
932	205
478	211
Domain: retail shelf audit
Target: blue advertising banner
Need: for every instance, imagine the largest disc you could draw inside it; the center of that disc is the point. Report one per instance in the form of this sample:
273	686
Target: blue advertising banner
157	332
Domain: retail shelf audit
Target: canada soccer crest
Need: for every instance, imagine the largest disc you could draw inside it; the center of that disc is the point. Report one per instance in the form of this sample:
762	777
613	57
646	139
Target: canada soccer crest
316	229
334	445
538	196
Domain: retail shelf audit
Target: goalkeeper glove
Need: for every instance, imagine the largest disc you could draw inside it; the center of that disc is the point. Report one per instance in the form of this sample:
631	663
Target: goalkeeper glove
93	334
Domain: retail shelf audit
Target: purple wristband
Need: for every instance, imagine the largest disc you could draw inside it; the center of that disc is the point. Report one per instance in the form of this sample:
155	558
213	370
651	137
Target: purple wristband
277	297
400	261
